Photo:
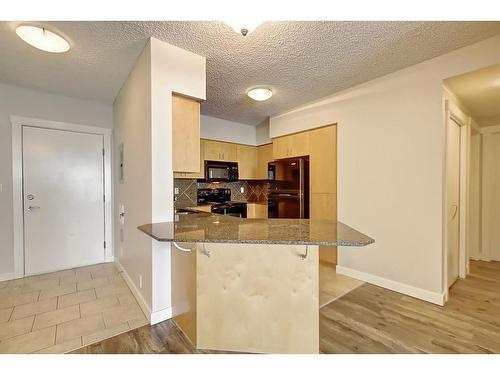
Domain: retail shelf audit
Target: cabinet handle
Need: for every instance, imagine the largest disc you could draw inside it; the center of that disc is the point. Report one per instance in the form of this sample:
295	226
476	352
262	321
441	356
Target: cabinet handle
205	252
181	248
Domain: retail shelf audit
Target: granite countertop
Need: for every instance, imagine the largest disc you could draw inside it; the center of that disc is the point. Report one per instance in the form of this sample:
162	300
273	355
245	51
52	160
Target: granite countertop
206	227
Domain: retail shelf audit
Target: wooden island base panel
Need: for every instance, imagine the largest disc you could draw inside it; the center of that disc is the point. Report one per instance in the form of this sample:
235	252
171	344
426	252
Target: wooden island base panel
249	298
249	285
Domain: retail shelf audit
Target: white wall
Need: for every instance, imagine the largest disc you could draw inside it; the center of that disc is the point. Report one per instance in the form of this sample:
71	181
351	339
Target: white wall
474	238
391	148
15	100
143	122
262	133
229	131
132	127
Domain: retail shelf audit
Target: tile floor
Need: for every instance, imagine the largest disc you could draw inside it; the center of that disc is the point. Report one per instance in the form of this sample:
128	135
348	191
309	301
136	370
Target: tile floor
61	311
332	285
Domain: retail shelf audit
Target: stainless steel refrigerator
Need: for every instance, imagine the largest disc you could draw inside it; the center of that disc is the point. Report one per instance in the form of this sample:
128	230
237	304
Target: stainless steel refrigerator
289	188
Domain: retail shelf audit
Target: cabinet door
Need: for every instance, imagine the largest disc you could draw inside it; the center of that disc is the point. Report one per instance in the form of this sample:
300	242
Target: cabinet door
185	134
299	144
247	162
212	150
256	211
264	156
324	207
229	151
323	160
281	147
195	175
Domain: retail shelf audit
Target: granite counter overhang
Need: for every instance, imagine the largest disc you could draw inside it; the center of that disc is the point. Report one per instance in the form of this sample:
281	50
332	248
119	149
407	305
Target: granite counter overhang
205	227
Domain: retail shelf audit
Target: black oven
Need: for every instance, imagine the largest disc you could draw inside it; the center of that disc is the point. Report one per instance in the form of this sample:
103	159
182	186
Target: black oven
221	171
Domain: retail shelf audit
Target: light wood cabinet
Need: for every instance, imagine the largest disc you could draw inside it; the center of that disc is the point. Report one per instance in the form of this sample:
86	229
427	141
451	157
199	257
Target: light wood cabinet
256	211
185	134
323	160
324	207
247	162
292	145
220	151
201	161
264	156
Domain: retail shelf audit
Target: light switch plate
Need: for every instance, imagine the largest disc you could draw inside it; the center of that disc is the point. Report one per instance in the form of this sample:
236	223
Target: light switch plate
176	190
242	189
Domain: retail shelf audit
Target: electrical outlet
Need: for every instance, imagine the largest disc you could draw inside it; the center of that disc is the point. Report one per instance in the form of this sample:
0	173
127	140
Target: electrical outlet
176	191
140	281
242	189
1	188
121	251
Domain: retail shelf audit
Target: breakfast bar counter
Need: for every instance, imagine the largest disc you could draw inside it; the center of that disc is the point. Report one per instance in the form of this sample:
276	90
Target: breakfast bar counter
206	227
249	285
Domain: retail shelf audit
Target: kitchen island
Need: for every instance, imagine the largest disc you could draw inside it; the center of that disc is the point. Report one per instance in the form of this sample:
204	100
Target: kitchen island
249	285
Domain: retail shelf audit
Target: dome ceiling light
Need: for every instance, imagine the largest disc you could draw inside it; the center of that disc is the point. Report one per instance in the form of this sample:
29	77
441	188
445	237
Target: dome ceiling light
244	27
43	39
260	94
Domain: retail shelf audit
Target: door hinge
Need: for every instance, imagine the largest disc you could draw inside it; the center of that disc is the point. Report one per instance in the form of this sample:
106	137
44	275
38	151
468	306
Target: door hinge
102	152
104	198
104	244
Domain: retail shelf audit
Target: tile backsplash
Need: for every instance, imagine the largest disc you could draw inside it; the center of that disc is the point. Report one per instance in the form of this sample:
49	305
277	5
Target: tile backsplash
254	191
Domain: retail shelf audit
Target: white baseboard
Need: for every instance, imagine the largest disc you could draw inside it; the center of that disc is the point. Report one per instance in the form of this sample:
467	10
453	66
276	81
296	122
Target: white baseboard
138	296
426	295
160	316
7	276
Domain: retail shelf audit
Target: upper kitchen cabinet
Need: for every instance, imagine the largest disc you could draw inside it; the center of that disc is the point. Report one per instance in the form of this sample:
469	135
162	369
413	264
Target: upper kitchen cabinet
222	151
292	145
201	172
264	156
247	162
185	134
323	160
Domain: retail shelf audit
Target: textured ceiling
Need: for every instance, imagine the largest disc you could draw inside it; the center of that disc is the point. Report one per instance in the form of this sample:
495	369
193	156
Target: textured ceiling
300	61
479	91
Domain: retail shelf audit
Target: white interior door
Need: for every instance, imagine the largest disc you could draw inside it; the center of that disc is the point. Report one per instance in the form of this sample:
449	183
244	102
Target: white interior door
63	199
453	198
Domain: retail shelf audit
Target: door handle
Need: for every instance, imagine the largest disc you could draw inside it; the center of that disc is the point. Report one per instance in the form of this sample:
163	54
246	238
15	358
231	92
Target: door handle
454	212
31	208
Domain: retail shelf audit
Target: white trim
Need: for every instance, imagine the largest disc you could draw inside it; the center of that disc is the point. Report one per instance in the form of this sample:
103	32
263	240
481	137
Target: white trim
160	316
146	309
426	295
490	129
17	182
7	276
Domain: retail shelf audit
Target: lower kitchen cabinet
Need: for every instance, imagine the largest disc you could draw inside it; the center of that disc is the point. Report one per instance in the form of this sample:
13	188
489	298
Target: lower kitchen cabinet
256	211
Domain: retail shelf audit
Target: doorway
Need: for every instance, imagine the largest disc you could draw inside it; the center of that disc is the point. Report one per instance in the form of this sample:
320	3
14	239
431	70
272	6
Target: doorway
63	185
62	196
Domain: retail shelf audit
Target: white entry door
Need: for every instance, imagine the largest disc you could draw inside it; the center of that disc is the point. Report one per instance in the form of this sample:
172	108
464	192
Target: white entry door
453	197
63	199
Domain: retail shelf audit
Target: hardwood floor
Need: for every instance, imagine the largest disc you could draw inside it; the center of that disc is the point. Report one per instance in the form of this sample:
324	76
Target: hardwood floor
373	320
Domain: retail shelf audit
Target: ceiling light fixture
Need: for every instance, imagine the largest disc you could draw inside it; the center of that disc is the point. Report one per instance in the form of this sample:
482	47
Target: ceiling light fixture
260	94
41	38
244	27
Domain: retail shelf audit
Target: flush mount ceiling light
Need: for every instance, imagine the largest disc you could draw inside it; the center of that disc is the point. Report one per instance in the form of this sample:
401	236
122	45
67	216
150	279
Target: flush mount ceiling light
244	27
260	94
41	38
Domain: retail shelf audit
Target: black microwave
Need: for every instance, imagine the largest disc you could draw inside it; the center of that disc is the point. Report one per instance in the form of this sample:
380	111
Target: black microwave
216	171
